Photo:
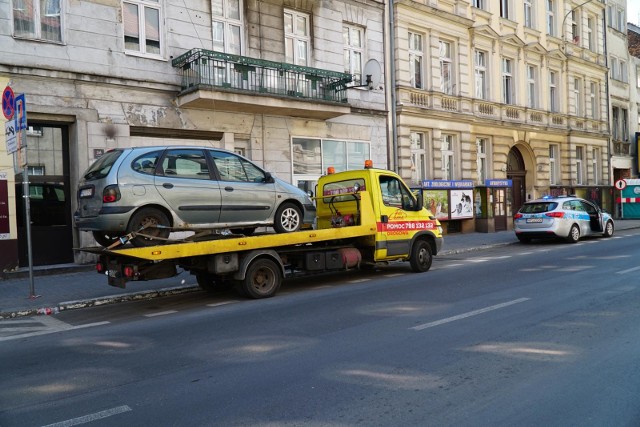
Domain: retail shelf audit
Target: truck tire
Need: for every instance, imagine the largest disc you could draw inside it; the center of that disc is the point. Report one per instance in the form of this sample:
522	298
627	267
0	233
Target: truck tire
421	256
149	217
262	280
288	218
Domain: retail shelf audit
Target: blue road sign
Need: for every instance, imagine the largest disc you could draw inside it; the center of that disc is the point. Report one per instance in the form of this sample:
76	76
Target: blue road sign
21	112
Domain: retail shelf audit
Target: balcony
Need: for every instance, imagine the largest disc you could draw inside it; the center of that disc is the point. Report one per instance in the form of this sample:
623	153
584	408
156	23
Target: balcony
219	81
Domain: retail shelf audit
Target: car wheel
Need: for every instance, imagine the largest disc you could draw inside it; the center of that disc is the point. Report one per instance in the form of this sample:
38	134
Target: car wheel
150	222
608	229
524	239
421	256
105	239
262	280
574	234
288	218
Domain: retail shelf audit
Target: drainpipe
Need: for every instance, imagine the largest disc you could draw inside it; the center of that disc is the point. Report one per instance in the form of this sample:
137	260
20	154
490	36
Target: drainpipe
606	75
390	84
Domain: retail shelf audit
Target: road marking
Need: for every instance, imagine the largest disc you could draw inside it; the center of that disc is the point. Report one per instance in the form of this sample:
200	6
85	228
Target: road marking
358	280
476	261
218	304
160	313
48	325
628	270
92	417
469	314
394	275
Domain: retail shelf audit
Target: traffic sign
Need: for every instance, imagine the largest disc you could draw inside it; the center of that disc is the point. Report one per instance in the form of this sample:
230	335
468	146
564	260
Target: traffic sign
621	184
12	137
21	112
8	103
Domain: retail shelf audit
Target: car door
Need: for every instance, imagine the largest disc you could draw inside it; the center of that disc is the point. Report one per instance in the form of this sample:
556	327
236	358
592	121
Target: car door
594	220
247	195
185	182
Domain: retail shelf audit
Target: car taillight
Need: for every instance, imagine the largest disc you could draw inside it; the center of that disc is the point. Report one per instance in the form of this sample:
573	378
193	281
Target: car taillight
518	215
555	214
110	194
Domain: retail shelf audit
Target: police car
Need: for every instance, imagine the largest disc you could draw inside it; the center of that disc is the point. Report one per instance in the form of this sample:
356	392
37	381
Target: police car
567	217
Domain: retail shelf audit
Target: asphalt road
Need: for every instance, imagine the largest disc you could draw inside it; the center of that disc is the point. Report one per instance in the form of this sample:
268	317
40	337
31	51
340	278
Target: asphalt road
528	335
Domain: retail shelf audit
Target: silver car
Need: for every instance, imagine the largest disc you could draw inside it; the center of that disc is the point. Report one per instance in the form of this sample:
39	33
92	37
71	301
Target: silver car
567	217
156	190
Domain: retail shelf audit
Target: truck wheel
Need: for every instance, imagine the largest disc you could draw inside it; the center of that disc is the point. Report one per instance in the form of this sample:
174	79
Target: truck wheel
288	218
207	282
149	217
421	256
104	239
263	279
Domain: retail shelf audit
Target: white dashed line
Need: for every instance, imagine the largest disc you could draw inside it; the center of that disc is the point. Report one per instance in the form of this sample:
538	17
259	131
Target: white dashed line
629	270
92	417
160	313
218	304
469	314
358	280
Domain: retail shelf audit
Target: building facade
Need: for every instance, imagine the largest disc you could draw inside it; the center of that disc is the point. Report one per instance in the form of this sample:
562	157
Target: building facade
269	79
503	90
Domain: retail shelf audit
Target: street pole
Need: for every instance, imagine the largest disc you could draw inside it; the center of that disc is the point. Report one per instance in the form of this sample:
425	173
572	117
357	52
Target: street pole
27	211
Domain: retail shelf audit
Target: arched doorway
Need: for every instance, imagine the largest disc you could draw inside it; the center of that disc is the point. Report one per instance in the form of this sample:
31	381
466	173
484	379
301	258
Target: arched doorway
516	172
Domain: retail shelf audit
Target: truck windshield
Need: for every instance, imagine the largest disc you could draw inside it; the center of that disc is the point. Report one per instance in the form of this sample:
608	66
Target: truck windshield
102	166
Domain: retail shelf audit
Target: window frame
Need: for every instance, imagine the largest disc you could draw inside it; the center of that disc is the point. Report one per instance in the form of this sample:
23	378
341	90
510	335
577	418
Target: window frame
593	99
483	159
578	90
418	145
416	53
447	150
529	13
508	83
554	100
554	165
142	6
351	51
297	38
551	17
580	172
38	20
227	23
595	162
447	67
532	86
480	74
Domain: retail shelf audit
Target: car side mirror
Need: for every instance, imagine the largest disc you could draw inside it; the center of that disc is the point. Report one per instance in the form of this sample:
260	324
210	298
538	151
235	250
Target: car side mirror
268	178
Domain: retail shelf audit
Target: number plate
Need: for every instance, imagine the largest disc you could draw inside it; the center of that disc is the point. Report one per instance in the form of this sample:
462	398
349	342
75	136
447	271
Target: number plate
113	273
86	192
534	220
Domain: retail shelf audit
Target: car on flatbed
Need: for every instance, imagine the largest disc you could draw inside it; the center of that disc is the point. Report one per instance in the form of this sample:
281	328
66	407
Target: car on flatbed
156	190
566	217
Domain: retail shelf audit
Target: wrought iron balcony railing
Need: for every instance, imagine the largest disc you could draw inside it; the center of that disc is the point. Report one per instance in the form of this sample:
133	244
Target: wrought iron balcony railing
206	69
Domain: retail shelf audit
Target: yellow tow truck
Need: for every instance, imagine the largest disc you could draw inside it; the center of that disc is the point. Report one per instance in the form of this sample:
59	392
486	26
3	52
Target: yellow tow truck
364	217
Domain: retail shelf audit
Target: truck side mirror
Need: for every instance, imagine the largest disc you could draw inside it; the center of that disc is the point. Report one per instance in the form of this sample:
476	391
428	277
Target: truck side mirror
420	201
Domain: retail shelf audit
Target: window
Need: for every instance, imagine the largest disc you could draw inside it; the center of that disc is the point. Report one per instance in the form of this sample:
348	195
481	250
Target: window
415	59
615	69
353	47
616	123
575	26
505	9
507	81
481	162
591	31
395	194
638	76
142	27
418	158
619	129
579	165
447	157
227	26
621	21
532	86
311	156
623	72
446	68
236	169
185	163
297	37
38	19
596	165
553	92
481	74
551	20
480	4
528	13
577	96
593	100
553	165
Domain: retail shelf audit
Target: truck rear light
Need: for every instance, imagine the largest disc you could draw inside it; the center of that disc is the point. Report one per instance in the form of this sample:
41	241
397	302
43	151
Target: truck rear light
100	267
110	194
129	271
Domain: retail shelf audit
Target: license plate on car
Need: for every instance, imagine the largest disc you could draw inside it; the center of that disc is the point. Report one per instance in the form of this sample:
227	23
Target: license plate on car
86	192
534	220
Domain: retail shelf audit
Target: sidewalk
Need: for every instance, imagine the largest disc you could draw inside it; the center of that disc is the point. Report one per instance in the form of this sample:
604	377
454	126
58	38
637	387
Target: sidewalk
66	287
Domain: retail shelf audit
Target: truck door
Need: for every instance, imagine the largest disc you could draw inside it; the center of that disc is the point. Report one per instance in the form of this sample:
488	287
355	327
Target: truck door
398	219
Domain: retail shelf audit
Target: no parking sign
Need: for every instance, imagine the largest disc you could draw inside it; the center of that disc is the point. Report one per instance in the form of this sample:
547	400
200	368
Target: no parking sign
8	103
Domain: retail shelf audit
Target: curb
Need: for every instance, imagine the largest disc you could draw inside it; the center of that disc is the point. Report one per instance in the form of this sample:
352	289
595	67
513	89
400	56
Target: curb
99	301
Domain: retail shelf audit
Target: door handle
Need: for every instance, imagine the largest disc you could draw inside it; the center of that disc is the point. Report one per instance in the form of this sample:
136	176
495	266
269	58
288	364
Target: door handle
228	188
167	185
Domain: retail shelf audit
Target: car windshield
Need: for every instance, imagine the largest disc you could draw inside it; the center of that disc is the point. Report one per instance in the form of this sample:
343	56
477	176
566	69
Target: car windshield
102	166
538	207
